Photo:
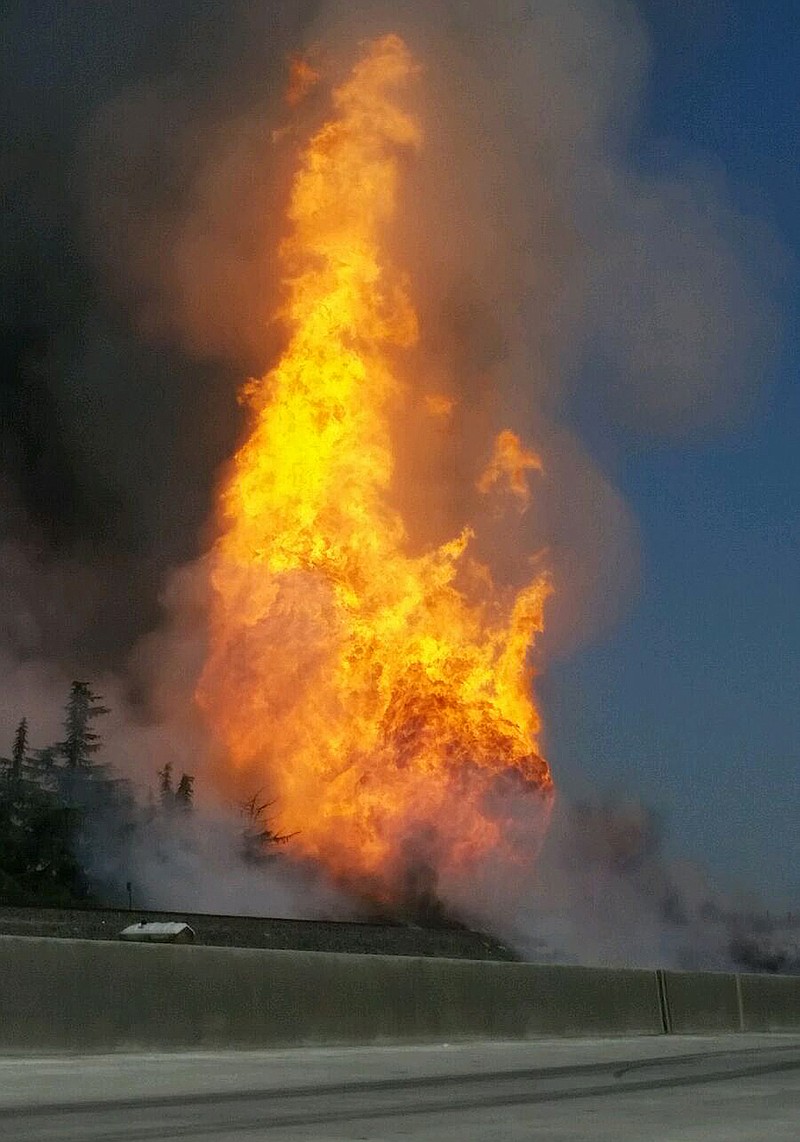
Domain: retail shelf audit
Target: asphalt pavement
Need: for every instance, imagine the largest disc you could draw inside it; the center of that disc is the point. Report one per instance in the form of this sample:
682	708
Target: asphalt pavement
732	1088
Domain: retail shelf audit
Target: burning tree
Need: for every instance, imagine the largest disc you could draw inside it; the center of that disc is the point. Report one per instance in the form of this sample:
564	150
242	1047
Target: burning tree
259	838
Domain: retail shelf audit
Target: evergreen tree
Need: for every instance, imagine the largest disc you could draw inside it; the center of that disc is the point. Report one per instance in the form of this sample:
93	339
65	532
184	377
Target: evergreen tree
81	741
97	807
184	794
165	791
175	797
37	863
61	813
19	751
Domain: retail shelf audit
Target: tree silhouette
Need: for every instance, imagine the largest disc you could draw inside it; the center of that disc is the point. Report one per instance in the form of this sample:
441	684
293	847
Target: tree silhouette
174	797
184	794
258	836
165	790
81	741
19	751
37	860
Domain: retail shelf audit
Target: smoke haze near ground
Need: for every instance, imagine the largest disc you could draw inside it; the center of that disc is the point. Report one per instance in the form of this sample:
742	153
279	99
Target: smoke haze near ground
146	190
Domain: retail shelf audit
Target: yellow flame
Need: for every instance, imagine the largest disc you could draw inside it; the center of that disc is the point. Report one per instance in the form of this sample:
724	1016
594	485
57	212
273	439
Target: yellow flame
382	697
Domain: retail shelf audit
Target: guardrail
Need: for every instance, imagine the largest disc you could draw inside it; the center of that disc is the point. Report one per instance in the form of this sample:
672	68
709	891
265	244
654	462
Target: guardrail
95	996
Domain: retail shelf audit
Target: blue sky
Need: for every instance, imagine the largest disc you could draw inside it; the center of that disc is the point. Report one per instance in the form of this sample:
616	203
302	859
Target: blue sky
693	701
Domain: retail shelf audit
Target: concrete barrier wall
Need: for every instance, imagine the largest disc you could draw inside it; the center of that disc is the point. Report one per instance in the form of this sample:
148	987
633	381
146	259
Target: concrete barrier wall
87	995
770	1002
701	1001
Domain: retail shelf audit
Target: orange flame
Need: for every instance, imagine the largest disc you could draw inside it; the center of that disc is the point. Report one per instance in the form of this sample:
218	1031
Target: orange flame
510	463
383	696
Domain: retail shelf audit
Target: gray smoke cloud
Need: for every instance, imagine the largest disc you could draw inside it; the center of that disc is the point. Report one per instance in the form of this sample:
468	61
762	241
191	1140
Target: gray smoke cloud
196	862
605	892
146	193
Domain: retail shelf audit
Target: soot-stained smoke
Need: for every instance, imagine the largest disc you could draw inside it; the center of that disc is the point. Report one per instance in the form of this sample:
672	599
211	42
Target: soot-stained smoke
112	426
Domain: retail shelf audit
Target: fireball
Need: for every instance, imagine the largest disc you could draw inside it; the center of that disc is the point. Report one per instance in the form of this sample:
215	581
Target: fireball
381	694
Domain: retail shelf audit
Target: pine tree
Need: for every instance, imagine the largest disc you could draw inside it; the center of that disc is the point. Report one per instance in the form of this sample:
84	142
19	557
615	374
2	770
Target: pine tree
59	808
184	794
81	740
165	790
37	863
19	751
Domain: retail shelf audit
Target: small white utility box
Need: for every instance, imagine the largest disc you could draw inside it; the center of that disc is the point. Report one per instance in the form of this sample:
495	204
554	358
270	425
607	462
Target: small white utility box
172	932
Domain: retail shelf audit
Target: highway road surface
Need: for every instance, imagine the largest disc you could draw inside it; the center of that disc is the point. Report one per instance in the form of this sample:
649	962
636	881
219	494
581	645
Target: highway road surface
742	1088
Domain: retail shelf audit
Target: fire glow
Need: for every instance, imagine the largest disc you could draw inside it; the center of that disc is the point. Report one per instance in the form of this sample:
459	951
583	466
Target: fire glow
382	697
